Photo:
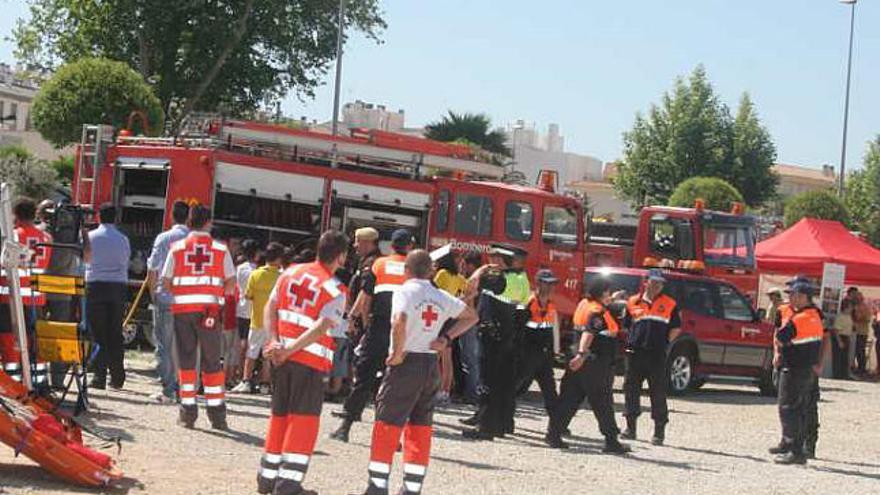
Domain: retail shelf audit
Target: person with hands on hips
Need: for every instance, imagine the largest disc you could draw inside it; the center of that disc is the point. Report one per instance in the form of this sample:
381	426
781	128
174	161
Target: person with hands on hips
405	403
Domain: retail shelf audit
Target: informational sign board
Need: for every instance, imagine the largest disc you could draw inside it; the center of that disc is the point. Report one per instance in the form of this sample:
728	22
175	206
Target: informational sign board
833	277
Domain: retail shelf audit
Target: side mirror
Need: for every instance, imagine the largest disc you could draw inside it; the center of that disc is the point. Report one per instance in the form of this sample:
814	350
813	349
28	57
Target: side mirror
761	314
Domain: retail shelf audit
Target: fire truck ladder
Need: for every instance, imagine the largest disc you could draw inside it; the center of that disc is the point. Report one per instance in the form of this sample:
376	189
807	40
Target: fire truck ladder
363	155
93	146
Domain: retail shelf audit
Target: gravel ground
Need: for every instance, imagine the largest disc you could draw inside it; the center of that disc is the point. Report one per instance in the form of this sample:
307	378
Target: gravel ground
716	443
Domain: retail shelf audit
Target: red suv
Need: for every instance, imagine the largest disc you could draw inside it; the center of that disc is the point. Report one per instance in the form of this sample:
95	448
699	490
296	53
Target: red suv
722	336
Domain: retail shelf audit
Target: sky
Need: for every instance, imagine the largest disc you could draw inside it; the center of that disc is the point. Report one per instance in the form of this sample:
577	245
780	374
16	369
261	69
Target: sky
590	65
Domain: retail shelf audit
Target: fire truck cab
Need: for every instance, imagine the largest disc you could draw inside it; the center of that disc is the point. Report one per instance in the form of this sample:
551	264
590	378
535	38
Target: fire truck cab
275	183
723	244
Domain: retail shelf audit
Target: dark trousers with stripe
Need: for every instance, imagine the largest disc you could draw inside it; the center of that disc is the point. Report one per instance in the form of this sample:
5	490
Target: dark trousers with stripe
367	364
405	404
590	382
650	366
192	340
796	386
536	363
297	398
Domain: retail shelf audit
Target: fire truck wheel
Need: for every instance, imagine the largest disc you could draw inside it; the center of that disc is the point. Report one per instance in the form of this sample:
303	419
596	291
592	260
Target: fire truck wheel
681	369
130	335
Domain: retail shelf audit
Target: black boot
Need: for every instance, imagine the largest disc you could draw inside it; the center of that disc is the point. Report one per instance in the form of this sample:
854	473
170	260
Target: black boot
342	432
659	434
268	473
554	440
782	448
792	457
630	432
613	446
810	449
477	434
187	417
217	417
471	421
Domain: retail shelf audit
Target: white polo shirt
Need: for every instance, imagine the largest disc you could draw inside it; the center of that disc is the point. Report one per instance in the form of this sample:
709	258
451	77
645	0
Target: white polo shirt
427	308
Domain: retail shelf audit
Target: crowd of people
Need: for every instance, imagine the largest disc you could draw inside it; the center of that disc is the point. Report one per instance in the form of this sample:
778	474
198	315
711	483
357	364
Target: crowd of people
340	321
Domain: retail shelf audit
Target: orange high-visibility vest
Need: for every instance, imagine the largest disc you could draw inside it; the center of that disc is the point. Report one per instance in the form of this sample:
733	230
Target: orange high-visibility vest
302	292
389	273
587	309
541	318
198	281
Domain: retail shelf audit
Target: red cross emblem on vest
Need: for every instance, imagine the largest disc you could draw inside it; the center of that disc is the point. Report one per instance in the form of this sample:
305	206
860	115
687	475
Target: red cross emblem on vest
303	292
199	258
38	254
429	316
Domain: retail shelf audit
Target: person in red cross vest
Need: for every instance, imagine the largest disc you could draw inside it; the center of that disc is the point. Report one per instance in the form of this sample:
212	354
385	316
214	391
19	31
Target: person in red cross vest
307	301
405	403
198	273
35	262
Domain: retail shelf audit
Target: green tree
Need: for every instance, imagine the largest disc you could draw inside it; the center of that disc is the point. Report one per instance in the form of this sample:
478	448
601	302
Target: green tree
15	151
92	91
468	128
691	133
717	193
63	166
754	155
232	55
863	194
28	175
824	205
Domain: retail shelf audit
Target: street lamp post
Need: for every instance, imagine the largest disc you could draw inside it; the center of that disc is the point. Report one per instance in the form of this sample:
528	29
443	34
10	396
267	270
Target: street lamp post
339	37
841	186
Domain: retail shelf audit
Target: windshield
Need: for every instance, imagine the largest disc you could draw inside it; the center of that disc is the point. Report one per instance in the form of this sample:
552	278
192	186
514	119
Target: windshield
729	243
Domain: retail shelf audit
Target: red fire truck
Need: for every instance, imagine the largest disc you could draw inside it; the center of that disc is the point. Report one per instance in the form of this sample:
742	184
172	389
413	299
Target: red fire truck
275	183
722	244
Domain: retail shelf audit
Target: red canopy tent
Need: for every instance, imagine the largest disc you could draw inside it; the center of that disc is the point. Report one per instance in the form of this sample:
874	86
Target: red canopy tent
810	243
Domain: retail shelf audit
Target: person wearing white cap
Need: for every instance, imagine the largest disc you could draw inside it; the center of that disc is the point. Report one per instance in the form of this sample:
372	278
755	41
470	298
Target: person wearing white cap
775	295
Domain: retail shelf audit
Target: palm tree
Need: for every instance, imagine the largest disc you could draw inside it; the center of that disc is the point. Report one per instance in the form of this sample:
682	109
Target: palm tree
470	128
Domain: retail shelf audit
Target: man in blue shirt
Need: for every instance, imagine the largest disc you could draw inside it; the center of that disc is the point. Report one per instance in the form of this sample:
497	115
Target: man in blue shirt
163	321
107	258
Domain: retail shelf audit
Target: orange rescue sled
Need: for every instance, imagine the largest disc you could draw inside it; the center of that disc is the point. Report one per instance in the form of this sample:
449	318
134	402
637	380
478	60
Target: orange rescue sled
32	427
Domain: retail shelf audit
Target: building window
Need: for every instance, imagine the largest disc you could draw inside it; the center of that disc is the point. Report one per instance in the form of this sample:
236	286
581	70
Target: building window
518	220
473	215
560	226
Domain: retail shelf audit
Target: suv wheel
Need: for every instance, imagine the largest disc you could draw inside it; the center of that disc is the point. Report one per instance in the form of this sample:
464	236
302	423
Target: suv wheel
681	370
768	384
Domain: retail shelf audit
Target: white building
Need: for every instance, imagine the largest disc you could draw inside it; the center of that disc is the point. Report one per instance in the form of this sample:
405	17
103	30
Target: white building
372	116
534	151
16	94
